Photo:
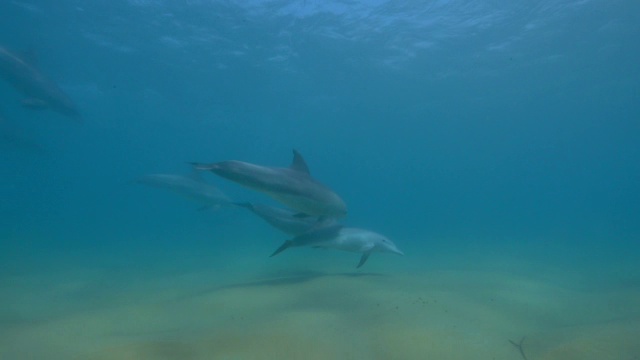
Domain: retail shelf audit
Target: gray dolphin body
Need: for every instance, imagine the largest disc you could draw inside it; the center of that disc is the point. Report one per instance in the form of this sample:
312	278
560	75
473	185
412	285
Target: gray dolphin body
40	92
284	220
343	238
189	187
292	186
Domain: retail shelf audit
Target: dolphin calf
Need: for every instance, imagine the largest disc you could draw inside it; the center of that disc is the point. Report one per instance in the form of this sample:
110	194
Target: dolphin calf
343	238
193	188
292	186
284	220
40	92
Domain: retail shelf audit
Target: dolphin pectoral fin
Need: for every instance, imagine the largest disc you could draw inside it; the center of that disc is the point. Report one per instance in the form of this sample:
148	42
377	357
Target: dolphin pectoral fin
363	259
301	215
282	248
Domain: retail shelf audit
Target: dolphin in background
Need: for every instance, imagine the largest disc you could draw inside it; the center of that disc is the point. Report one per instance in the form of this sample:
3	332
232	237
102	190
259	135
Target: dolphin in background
292	186
343	238
191	187
40	92
284	220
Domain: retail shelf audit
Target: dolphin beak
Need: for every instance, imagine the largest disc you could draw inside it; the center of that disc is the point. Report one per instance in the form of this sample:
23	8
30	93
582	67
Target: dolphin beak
396	251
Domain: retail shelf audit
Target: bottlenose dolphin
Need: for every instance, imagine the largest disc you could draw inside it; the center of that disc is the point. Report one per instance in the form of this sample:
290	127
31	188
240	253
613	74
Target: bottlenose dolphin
292	186
343	238
40	92
192	187
284	220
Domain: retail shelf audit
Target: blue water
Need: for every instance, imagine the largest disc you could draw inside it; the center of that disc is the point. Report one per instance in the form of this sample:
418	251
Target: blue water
452	127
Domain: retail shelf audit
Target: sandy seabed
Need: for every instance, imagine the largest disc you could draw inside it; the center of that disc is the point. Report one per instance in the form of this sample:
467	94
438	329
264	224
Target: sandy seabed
290	308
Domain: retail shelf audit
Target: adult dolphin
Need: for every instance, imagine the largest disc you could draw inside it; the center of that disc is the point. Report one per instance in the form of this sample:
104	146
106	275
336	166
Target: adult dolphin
292	186
343	238
191	187
284	220
40	92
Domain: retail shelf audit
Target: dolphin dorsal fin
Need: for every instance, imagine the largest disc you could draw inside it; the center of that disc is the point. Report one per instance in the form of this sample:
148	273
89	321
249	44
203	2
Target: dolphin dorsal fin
298	163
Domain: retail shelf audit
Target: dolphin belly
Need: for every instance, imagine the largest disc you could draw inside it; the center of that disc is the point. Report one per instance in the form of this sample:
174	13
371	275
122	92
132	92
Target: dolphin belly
282	219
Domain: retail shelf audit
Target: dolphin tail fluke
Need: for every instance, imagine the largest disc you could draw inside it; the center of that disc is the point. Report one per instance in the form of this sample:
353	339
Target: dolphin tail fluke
287	244
363	259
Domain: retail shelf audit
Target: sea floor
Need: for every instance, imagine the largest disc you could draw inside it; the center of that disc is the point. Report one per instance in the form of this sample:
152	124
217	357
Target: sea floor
316	305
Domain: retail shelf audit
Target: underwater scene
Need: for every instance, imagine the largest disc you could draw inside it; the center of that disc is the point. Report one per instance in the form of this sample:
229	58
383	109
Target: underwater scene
319	179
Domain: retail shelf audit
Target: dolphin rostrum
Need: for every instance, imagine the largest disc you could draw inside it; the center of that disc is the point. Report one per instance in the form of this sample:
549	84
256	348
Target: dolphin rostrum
284	220
193	188
292	186
40	92
343	238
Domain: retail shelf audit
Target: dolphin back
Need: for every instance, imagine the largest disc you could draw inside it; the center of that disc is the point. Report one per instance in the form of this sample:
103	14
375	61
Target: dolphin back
311	237
40	91
319	234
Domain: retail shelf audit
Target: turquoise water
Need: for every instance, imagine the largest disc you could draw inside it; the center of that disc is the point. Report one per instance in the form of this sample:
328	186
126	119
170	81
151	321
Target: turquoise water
496	144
